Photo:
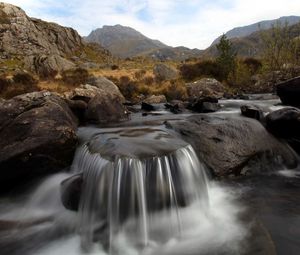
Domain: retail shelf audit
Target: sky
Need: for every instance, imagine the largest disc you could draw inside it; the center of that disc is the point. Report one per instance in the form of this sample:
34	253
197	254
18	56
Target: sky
190	23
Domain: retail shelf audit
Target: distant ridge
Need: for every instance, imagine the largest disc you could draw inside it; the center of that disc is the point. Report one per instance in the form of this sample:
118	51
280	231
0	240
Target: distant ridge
123	41
244	31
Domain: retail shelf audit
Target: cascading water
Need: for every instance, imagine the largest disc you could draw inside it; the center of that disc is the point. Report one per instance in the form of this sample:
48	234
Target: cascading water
123	193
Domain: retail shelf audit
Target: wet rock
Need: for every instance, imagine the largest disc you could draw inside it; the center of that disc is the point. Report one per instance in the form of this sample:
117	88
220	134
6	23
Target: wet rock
289	92
227	145
147	107
204	88
70	192
37	137
204	105
161	99
174	108
285	123
252	111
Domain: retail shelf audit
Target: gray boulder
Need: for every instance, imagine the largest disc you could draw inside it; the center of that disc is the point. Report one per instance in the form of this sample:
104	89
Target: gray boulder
229	145
104	101
37	137
205	87
164	72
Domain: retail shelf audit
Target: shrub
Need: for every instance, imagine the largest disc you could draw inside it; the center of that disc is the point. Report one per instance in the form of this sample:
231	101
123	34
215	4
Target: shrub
114	67
174	90
21	83
204	68
254	65
148	80
75	76
4	83
139	74
128	88
24	79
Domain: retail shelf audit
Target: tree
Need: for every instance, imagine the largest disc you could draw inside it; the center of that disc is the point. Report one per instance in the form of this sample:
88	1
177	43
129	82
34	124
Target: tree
226	57
280	45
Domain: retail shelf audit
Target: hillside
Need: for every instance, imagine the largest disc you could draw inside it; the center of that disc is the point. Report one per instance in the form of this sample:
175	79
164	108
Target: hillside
251	45
245	31
34	44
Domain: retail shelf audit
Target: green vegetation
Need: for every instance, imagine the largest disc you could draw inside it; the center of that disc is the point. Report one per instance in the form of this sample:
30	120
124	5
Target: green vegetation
226	58
281	46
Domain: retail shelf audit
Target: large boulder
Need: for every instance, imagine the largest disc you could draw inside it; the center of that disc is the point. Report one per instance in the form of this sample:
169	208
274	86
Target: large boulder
37	137
285	124
164	72
232	145
289	92
205	87
104	101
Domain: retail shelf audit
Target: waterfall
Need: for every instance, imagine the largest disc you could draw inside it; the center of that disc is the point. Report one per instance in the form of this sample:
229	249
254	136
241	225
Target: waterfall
125	194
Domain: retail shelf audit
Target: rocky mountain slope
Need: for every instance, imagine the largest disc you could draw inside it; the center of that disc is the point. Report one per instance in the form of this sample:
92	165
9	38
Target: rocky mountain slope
240	32
251	45
127	42
35	44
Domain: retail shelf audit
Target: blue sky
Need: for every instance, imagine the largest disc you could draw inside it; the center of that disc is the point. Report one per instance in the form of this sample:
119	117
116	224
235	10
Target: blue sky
190	23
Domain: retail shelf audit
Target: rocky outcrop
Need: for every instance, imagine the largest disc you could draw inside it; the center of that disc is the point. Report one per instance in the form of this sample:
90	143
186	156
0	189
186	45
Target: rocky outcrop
164	72
37	137
228	145
104	101
289	92
205	87
285	124
44	45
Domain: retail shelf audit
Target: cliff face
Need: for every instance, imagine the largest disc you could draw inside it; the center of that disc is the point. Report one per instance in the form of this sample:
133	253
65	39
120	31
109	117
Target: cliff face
22	35
34	44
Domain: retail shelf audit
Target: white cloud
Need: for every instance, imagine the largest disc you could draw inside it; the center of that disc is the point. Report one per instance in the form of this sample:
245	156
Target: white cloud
192	23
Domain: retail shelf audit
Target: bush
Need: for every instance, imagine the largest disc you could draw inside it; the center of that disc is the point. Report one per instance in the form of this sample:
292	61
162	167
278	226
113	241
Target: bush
24	79
4	83
148	80
21	83
204	68
114	67
174	90
254	65
75	76
128	88
139	74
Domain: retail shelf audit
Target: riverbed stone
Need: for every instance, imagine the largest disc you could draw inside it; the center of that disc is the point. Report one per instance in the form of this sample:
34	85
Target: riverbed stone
285	124
229	145
37	137
289	92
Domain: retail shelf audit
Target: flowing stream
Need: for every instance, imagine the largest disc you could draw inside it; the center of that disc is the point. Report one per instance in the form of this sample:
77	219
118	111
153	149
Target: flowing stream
144	191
